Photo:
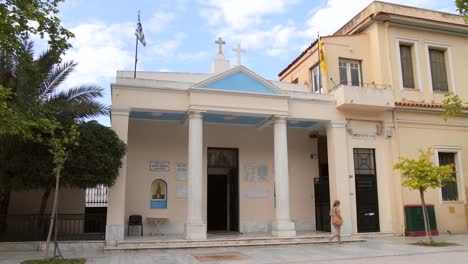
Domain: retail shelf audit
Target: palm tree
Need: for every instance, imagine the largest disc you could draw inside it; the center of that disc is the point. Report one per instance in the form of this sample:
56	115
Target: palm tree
37	86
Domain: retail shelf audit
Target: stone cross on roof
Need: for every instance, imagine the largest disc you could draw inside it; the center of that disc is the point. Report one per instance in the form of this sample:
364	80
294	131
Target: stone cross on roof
238	50
220	43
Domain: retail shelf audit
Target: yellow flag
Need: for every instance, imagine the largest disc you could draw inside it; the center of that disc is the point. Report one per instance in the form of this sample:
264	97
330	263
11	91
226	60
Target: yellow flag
323	63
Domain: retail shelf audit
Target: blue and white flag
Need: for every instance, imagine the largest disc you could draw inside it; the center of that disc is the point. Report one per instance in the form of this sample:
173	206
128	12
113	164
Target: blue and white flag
139	33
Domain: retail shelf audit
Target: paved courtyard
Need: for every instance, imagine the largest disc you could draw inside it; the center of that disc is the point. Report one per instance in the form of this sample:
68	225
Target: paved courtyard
375	250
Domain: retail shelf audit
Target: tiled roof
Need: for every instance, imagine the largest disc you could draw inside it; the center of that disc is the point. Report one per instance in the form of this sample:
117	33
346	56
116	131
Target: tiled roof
413	104
298	57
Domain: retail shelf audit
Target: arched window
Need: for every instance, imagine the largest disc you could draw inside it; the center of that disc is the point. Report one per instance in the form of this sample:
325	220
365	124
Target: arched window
158	194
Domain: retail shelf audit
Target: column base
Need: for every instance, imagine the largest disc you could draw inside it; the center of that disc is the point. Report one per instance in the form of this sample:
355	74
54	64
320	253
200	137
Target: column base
283	229
195	231
114	233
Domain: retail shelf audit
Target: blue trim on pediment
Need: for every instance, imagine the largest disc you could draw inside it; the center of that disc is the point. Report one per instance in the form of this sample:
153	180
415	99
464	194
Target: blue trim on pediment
228	119
158	116
241	82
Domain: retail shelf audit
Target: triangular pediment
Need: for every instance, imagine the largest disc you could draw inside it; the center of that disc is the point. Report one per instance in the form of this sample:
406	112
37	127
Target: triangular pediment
239	79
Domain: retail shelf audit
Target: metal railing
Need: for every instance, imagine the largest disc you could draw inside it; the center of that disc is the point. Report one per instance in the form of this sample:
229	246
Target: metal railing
34	227
363	85
97	196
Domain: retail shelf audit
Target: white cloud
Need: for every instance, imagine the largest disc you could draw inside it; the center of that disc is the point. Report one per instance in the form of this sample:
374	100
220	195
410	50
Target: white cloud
100	50
168	47
159	22
238	16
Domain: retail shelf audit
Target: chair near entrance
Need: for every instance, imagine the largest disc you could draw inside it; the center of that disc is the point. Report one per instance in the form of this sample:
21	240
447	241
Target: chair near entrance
135	220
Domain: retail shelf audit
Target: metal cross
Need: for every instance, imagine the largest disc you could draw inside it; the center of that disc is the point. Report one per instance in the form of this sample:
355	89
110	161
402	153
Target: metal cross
220	42
238	50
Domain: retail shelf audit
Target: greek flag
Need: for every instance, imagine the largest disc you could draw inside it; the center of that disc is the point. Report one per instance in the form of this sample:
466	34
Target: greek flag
139	33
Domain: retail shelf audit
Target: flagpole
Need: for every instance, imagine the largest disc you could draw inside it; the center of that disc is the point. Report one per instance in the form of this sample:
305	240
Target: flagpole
320	63
136	56
136	48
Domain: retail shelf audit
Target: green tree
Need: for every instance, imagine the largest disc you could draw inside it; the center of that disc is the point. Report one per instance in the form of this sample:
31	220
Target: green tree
422	174
453	105
20	19
462	7
59	144
36	84
96	159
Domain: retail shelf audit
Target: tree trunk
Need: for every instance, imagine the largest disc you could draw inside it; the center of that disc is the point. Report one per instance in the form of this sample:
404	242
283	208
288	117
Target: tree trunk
425	217
45	199
4	204
53	214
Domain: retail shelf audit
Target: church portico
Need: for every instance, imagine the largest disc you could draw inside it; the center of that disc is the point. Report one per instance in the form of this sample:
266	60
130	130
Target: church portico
253	138
232	153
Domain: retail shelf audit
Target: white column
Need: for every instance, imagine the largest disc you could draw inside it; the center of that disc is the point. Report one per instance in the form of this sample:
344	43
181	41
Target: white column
195	229
282	226
337	147
115	227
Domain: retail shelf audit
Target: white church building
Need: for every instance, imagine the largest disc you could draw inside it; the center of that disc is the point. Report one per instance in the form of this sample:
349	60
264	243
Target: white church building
232	152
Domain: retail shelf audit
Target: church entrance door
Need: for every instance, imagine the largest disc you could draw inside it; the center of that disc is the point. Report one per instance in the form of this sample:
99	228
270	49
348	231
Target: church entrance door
223	190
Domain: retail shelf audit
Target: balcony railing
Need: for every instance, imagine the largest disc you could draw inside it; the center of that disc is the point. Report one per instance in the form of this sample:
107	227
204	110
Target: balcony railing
354	96
363	85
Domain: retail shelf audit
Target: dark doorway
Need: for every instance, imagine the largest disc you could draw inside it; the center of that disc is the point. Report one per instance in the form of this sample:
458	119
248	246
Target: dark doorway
322	204
223	190
367	202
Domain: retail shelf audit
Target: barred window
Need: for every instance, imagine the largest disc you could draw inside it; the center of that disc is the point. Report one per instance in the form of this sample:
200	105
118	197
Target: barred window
406	66
438	70
450	189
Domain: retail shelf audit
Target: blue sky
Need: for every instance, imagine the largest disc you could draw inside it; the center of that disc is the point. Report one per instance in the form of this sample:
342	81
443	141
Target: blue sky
180	34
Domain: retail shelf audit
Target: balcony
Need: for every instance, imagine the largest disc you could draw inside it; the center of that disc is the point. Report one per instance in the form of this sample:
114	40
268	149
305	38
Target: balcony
363	97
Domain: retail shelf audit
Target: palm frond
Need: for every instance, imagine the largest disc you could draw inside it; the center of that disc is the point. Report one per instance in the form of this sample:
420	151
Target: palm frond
79	102
46	61
55	77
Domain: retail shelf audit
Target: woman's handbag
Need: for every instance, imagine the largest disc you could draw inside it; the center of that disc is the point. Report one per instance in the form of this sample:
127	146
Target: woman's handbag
336	220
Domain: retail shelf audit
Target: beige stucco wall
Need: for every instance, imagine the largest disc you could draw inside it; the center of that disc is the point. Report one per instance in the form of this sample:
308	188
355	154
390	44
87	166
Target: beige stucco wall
71	201
150	140
456	55
450	216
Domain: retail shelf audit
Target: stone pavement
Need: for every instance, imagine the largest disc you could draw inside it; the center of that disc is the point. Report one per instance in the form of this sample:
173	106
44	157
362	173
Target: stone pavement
375	250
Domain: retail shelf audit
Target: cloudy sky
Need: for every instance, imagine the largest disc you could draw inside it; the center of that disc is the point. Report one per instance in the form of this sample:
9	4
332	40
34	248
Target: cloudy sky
180	34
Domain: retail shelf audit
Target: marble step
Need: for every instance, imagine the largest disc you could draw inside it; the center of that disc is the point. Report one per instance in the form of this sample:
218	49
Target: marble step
181	244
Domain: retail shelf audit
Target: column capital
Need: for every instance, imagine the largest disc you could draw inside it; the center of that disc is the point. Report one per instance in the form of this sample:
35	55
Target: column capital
194	114
337	123
279	119
120	110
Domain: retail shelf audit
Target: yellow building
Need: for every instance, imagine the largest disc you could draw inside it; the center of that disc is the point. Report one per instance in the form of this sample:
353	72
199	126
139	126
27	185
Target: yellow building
229	151
390	66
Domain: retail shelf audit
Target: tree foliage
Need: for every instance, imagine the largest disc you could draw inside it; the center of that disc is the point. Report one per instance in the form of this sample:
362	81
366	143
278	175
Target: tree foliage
422	174
20	20
462	7
452	105
96	159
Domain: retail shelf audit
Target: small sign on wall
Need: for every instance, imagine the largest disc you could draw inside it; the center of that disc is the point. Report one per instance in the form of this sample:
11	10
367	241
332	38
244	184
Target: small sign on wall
181	171
181	192
160	165
256	172
256	192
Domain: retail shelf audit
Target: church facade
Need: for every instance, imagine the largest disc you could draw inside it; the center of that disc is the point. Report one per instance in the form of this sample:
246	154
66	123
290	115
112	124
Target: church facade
230	151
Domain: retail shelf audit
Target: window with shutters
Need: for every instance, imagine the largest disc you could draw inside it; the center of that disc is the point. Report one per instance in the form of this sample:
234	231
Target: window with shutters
450	189
316	79
438	70
350	72
406	60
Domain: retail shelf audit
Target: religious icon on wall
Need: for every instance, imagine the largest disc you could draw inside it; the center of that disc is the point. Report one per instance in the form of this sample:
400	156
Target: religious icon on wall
158	190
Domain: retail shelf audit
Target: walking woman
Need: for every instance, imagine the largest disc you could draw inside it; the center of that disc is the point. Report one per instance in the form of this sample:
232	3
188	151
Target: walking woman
336	221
